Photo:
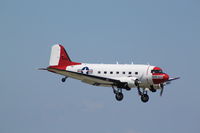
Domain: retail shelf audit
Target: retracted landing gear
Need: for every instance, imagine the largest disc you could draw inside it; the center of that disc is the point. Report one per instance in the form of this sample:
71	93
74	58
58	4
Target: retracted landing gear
64	79
118	93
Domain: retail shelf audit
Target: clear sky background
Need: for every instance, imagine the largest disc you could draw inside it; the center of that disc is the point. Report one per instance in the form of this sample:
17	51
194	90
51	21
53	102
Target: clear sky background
162	33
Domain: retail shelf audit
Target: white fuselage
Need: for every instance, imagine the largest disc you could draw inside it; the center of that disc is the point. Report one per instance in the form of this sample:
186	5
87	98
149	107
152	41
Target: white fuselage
117	71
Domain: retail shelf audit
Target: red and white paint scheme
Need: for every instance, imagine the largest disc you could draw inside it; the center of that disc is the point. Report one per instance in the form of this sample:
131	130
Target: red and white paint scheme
118	76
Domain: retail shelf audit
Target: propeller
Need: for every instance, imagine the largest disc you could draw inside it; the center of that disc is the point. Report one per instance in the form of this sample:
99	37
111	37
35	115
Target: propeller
166	83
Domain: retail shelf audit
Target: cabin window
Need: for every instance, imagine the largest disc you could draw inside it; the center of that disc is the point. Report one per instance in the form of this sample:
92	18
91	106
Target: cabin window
99	72
105	72
130	73
117	72
124	72
111	72
136	73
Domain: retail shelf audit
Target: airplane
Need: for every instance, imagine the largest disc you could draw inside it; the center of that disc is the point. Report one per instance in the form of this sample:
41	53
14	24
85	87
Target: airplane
117	76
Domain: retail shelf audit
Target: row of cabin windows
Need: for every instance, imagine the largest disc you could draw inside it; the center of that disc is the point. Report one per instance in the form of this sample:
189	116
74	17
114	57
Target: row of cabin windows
105	72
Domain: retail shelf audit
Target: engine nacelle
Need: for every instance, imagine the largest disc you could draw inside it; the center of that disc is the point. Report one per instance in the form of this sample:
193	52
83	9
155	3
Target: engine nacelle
130	81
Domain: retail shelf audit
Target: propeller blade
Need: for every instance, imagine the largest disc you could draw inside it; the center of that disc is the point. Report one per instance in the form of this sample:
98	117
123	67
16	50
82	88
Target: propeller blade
171	79
162	89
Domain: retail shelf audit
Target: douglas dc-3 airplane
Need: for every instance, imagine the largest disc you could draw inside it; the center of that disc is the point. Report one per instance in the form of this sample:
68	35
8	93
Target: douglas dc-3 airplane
117	76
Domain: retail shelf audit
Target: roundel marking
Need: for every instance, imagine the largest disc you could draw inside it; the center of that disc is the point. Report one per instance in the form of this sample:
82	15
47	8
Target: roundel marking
85	70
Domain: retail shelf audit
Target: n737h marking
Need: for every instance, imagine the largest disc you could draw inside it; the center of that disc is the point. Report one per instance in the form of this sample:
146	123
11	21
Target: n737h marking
118	76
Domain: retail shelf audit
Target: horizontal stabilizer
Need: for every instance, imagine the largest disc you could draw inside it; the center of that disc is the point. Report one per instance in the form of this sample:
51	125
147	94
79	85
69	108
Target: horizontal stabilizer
42	69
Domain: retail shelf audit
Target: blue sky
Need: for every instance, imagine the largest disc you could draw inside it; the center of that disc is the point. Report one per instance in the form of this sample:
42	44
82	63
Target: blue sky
162	33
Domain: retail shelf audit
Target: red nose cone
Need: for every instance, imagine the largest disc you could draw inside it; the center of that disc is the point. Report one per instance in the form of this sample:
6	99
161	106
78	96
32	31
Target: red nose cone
166	77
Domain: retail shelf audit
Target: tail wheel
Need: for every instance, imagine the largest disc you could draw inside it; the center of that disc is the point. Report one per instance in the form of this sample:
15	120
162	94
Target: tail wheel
119	96
63	79
144	98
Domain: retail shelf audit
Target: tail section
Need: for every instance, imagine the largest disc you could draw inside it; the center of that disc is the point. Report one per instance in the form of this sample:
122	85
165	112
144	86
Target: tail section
59	57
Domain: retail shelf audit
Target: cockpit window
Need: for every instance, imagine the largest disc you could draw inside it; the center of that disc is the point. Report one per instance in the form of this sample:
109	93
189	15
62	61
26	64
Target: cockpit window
156	71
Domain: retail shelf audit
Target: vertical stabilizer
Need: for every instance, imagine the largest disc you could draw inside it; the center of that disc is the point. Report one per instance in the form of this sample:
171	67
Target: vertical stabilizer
59	57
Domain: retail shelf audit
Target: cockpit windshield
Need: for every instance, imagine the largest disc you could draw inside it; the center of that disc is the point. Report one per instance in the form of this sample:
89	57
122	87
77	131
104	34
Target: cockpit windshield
156	71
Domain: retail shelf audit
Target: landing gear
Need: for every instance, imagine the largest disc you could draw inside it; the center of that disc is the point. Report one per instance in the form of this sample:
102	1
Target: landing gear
144	98
118	94
64	79
143	94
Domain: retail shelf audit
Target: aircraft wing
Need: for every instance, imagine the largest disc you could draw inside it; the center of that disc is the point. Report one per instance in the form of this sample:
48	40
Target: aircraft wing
90	79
